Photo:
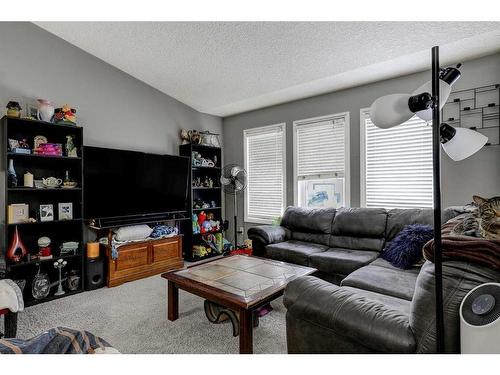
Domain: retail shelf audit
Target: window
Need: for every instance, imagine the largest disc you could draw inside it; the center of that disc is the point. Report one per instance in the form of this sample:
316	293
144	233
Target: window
396	164
321	162
264	151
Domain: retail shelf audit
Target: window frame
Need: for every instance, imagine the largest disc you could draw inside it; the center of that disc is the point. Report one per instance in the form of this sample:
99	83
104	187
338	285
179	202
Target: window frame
364	113
258	130
347	157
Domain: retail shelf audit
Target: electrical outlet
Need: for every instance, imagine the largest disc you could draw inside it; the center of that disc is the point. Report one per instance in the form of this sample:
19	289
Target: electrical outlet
241	230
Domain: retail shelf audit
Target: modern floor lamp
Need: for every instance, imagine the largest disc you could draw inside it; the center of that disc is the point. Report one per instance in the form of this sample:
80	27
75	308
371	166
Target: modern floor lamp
459	143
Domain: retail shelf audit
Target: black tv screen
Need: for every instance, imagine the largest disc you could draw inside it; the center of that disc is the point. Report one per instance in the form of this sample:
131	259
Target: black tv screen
119	183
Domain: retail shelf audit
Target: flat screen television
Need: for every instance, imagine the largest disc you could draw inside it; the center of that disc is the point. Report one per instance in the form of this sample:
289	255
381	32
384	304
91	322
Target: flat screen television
119	183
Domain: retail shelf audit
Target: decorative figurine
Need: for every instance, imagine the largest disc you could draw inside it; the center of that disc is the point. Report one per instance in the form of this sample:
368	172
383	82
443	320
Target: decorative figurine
185	137
196	226
11	174
13	109
70	147
59	265
196	159
38	141
195	137
68	183
16	251
65	115
41	285
45	110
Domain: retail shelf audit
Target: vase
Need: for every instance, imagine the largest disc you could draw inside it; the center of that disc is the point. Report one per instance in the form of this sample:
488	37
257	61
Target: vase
16	251
11	174
45	110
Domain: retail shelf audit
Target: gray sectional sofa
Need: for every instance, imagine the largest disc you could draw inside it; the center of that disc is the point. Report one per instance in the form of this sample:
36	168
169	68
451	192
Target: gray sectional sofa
357	302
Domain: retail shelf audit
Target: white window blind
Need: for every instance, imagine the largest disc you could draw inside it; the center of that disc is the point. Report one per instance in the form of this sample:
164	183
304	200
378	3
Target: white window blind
320	148
396	164
265	165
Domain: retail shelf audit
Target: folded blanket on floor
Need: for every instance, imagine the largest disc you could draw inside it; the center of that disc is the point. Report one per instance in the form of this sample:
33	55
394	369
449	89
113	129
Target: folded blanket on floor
11	296
58	340
471	249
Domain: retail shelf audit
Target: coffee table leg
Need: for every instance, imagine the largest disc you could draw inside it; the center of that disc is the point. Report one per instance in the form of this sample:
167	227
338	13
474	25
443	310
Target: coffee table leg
246	331
173	301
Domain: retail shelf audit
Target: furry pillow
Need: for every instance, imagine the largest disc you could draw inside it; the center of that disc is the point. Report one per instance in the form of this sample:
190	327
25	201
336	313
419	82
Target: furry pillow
133	233
405	250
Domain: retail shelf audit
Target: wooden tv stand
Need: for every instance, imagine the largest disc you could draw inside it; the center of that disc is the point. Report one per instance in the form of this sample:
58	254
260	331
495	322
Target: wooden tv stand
138	260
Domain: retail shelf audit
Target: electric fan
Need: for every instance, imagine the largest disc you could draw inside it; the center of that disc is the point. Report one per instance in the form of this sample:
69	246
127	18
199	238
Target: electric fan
234	180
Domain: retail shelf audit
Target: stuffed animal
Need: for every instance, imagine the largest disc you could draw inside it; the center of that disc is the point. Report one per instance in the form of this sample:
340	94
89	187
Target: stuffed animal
202	216
206	227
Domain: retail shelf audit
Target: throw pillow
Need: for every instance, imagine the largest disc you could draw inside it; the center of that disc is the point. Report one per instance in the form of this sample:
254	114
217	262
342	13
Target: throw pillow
133	233
405	250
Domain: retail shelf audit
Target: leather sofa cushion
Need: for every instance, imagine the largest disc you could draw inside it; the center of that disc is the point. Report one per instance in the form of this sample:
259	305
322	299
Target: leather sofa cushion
341	261
359	228
308	220
385	280
323	239
379	322
294	251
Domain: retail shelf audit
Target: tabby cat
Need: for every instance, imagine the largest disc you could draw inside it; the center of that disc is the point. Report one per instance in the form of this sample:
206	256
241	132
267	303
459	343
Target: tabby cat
484	221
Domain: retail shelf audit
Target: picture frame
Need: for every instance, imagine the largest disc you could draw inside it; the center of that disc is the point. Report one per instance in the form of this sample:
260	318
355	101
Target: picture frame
65	211
46	212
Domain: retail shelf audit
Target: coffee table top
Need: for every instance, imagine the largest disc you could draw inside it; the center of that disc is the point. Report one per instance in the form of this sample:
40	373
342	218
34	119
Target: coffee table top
239	279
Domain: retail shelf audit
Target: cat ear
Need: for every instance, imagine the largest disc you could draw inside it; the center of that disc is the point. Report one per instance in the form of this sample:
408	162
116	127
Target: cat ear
478	199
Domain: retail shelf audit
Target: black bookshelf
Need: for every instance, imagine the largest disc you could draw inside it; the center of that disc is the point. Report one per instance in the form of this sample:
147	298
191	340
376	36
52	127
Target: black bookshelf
206	194
58	231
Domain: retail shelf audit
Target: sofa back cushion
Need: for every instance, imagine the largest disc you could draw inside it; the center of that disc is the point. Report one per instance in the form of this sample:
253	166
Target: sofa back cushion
359	228
398	218
309	225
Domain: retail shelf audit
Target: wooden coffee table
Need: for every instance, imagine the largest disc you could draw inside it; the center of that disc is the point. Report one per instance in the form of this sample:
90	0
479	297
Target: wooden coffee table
239	282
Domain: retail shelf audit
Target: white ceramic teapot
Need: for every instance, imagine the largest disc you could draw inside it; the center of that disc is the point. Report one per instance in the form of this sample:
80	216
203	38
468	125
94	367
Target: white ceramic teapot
51	182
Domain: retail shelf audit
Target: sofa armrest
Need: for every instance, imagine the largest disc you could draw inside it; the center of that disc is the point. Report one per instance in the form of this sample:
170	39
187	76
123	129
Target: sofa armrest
268	234
264	235
345	313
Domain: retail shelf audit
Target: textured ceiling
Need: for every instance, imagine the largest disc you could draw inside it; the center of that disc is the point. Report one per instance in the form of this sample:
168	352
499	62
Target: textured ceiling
225	68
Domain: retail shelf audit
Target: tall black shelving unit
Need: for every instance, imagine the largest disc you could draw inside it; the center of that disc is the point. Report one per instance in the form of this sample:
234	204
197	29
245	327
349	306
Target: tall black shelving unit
206	194
58	231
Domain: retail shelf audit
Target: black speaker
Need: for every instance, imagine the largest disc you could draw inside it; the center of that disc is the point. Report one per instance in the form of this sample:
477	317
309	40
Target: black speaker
94	273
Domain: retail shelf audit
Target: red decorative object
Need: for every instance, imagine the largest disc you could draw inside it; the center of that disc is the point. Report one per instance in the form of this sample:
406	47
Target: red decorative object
16	251
244	251
202	216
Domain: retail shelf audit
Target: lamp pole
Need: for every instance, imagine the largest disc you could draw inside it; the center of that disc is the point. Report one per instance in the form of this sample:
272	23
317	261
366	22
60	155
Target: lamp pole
436	171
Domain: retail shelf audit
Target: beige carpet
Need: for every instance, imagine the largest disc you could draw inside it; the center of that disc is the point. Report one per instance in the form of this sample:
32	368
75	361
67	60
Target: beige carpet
133	318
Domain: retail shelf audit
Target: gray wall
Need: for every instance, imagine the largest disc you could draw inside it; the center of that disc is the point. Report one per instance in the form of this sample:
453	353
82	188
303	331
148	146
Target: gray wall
115	109
480	174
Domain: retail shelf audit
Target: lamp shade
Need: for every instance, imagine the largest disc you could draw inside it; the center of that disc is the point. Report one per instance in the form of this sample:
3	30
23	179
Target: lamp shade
464	143
444	93
390	110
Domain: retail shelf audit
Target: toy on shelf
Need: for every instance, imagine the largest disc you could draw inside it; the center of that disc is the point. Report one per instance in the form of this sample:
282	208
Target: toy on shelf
70	147
45	110
201	251
194	136
65	115
199	161
211	241
185	137
196	226
13	109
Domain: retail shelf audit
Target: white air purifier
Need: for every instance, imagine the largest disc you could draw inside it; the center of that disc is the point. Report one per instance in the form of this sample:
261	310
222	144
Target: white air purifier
480	320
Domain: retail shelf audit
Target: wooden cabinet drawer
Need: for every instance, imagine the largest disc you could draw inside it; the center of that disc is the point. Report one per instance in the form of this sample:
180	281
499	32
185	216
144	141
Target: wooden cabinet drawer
131	256
165	251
